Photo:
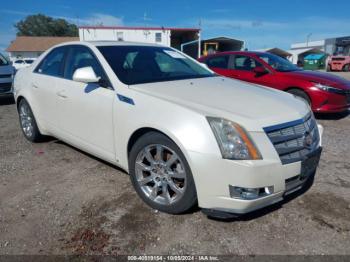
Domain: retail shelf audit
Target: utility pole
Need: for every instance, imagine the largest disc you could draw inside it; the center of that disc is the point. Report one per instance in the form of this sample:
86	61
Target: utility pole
199	38
308	39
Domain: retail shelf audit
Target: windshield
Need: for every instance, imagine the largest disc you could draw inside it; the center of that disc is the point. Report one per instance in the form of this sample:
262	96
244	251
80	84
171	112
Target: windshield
147	64
29	61
3	61
278	63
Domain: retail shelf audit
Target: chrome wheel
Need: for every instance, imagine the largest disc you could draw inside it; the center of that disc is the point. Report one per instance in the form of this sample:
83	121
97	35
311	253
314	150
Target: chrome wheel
26	118
160	174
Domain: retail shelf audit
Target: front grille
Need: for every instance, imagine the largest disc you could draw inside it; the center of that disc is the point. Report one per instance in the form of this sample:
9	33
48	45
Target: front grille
5	76
5	87
294	140
338	59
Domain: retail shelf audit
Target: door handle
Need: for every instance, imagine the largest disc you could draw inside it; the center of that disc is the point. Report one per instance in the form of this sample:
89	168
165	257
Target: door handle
34	85
61	94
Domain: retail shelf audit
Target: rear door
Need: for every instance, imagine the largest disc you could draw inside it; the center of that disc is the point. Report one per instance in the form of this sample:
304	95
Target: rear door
219	64
86	110
45	78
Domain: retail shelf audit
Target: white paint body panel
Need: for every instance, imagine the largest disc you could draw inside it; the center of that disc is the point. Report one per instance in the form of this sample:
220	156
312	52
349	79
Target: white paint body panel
99	123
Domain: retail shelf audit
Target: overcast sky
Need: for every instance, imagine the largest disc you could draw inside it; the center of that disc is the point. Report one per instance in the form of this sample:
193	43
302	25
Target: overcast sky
261	24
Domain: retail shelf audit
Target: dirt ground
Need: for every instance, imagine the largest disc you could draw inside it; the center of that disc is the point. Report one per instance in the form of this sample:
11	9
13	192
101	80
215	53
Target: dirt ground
55	199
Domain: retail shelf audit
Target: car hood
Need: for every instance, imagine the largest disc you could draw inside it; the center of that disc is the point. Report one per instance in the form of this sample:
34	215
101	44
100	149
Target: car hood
253	106
6	70
322	78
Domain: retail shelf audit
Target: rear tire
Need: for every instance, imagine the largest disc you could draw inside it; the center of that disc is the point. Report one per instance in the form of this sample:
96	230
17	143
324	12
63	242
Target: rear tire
346	68
301	94
28	123
161	175
329	69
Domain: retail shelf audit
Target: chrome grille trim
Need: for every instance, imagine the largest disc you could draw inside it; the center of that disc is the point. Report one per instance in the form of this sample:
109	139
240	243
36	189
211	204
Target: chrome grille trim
292	140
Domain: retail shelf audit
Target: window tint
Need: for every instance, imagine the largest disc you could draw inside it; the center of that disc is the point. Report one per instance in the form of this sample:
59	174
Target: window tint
52	64
19	62
168	65
146	64
218	62
79	57
245	63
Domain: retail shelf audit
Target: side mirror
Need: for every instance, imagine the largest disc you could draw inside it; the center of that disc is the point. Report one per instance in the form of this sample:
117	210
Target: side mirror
259	71
85	75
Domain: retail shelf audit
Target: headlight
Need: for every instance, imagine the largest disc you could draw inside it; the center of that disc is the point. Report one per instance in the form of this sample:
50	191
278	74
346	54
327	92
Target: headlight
234	141
328	88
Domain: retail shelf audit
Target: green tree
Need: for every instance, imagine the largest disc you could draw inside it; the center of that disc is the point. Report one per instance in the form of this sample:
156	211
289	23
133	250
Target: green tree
42	25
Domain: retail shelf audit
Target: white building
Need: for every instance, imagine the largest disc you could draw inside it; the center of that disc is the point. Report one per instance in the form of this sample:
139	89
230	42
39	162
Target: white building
172	37
311	44
31	47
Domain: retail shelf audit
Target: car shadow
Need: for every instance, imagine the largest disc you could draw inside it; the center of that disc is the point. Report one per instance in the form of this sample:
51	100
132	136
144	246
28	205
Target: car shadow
269	209
7	100
246	217
332	116
91	156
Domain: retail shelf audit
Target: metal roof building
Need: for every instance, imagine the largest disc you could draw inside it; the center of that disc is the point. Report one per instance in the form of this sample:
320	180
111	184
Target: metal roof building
277	51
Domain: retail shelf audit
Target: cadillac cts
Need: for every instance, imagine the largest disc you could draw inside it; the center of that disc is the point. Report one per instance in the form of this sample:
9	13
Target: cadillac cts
185	135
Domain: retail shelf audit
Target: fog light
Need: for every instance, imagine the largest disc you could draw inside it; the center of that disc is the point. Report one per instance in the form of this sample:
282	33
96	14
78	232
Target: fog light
250	193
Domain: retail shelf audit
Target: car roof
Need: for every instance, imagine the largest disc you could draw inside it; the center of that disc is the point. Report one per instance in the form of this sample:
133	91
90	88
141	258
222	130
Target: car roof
235	53
109	43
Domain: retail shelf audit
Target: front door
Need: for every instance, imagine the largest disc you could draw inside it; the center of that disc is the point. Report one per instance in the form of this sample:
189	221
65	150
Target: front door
86	110
242	67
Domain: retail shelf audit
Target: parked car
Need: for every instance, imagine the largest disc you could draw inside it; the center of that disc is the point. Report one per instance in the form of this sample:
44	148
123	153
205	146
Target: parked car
6	76
339	63
326	93
184	134
21	63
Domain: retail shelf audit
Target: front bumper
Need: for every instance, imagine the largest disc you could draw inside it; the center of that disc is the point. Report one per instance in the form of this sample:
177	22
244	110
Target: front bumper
337	66
325	102
6	86
217	175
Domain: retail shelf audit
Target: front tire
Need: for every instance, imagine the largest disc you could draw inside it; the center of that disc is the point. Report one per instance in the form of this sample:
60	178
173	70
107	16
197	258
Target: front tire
28	123
161	175
301	94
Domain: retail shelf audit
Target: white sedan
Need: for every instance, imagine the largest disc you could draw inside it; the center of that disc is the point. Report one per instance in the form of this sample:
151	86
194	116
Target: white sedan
184	134
22	63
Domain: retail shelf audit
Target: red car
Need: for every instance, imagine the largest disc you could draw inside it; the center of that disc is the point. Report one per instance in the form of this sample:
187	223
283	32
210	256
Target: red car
325	92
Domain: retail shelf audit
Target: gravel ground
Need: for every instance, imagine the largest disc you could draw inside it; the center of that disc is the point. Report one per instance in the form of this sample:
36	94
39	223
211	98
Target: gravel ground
55	199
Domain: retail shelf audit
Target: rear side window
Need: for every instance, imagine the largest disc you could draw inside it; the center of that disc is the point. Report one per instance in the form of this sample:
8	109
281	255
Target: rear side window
218	62
53	63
